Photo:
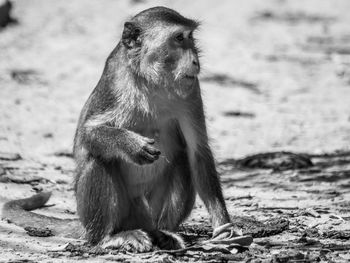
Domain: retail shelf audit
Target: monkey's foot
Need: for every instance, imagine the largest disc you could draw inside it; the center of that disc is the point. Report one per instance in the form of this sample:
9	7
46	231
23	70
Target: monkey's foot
132	240
167	240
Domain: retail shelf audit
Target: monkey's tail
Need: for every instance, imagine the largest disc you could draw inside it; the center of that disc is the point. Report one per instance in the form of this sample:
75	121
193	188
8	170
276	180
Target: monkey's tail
18	212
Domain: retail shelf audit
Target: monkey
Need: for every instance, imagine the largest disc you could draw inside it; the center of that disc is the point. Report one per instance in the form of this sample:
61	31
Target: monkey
141	146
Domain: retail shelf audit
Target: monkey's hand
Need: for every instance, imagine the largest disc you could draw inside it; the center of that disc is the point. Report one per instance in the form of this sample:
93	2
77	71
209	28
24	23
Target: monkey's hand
228	234
141	150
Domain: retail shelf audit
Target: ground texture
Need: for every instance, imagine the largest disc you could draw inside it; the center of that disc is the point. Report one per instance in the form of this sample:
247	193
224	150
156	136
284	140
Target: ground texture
276	86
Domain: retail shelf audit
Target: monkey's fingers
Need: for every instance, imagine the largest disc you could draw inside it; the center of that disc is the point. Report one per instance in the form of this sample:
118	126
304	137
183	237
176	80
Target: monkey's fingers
239	240
149	157
150	141
226	230
151	150
220	229
229	234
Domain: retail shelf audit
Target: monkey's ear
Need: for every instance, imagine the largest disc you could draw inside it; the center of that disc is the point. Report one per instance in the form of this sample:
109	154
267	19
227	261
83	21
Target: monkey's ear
131	35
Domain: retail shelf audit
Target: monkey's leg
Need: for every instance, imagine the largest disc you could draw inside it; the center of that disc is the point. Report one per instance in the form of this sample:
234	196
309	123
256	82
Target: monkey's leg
133	234
175	202
172	204
102	203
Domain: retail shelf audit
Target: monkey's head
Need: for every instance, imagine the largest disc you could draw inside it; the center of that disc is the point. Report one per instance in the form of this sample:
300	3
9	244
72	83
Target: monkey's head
160	47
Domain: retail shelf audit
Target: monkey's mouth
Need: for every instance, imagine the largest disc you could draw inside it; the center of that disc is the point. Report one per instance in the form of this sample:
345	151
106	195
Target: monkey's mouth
190	77
185	85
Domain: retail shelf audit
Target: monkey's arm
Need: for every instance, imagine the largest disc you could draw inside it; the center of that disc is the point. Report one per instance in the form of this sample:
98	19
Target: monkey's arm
203	171
208	185
109	143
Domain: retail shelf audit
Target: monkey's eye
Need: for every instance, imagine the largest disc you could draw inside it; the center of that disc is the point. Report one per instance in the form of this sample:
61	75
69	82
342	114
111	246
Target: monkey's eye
179	37
190	36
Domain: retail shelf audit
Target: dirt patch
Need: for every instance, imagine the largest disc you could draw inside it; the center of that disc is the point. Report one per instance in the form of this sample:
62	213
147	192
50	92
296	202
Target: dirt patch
277	161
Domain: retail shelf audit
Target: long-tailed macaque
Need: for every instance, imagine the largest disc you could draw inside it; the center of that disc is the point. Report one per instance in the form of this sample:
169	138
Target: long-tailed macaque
141	144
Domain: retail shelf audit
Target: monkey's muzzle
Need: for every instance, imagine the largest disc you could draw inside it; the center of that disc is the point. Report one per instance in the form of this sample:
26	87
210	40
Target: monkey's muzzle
186	85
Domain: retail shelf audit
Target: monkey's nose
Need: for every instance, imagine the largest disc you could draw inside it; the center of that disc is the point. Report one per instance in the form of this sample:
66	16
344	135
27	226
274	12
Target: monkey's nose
195	66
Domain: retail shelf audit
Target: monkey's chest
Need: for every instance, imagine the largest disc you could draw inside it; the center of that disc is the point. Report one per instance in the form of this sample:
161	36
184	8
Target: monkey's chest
142	178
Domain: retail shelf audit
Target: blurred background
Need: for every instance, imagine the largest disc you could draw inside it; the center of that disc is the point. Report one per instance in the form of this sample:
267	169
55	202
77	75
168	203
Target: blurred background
275	73
275	77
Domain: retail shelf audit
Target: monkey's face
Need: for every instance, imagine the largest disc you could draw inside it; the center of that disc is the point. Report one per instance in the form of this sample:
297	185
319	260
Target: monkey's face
170	58
164	54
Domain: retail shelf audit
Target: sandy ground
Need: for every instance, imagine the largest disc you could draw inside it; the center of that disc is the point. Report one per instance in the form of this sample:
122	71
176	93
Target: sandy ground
276	77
